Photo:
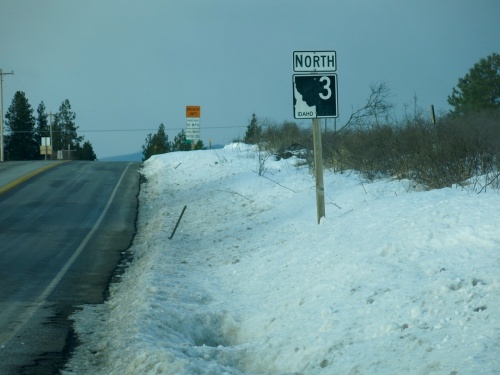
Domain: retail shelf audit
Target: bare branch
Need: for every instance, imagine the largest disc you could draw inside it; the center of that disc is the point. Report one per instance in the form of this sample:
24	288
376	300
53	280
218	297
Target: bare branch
376	107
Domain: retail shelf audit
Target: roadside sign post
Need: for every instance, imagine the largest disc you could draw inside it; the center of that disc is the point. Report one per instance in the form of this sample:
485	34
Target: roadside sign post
318	169
315	97
46	147
193	124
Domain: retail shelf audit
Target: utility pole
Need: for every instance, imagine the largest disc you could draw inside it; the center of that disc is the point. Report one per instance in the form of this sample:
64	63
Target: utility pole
1	113
433	116
50	128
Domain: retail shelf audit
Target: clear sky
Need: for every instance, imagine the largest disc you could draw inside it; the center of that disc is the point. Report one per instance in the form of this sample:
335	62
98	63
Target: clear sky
127	66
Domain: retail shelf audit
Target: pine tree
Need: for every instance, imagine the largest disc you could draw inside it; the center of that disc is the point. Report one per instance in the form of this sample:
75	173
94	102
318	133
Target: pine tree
254	131
20	141
161	143
156	144
199	145
42	122
85	152
479	89
147	147
64	128
180	142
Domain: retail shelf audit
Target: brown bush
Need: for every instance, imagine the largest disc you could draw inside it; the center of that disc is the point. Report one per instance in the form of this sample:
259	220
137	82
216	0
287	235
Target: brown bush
433	155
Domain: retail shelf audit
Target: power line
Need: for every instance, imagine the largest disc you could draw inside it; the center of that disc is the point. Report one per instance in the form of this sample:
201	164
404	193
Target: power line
153	129
124	130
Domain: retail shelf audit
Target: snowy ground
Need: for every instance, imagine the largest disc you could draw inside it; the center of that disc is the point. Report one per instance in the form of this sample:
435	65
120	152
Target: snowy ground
392	281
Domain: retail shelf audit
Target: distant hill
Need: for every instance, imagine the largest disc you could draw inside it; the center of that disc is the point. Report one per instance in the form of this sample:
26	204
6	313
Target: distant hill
216	147
129	157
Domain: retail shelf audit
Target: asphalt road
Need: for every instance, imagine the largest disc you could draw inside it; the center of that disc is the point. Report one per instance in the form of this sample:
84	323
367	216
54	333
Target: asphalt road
63	233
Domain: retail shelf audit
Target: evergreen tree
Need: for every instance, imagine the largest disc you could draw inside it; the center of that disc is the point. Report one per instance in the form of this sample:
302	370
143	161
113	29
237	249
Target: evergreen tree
85	152
199	145
42	128
180	142
147	147
42	122
64	128
161	143
156	143
20	141
254	131
479	89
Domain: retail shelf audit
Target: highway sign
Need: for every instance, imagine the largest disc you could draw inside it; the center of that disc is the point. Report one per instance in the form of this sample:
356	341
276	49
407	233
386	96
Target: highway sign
193	111
45	150
314	61
315	96
193	129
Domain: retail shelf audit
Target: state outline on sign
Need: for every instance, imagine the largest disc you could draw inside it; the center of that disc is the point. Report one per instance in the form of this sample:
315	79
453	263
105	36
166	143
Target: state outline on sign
315	95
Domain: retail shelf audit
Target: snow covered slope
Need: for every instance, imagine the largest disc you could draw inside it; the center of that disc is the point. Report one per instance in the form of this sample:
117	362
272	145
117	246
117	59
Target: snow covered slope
392	281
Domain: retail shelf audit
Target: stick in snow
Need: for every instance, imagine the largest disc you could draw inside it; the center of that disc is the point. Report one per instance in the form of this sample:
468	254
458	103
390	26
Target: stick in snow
178	221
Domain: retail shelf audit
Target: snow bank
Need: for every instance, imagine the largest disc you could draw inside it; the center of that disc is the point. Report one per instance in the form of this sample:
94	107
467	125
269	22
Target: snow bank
390	282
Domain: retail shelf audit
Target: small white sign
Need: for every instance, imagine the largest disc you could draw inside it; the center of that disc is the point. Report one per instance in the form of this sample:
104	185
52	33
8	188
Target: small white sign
45	141
314	61
193	129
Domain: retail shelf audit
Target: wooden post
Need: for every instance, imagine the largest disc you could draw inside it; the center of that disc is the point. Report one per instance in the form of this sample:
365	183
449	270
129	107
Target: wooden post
318	169
433	117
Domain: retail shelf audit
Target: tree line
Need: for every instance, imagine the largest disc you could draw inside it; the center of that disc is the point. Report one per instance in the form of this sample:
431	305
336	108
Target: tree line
24	131
158	143
460	147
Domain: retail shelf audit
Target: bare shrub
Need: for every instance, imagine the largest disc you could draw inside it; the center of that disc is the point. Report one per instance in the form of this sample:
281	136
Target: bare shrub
285	140
432	155
456	150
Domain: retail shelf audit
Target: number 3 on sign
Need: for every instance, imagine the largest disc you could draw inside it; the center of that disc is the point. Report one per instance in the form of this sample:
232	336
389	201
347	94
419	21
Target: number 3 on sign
326	87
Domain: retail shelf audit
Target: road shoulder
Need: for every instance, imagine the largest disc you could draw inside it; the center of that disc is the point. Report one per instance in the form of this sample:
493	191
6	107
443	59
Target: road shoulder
15	173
